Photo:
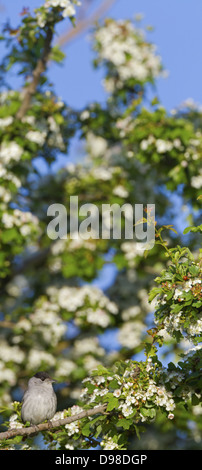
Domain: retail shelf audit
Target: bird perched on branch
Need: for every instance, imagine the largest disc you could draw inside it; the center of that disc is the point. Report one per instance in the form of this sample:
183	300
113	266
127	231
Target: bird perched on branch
39	401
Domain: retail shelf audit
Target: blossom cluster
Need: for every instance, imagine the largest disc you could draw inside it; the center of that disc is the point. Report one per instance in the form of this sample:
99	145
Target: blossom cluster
131	333
96	145
45	130
45	321
26	221
37	130
162	146
131	250
136	393
196	181
67	7
10	151
108	443
101	172
173	308
10	183
189	152
11	357
72	244
143	140
127	54
88	303
175	322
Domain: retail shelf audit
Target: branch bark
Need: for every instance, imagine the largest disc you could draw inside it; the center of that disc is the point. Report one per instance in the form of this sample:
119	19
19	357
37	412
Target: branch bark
51	424
40	68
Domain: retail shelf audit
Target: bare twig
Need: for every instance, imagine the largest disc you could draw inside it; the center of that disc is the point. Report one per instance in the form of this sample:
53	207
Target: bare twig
7	324
85	23
51	424
40	68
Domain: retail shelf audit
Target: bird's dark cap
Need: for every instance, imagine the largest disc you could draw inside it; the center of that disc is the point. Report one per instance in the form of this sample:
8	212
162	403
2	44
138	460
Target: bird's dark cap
43	376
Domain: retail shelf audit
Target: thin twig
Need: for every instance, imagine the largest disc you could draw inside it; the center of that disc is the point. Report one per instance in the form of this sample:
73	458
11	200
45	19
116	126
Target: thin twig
7	324
85	23
51	424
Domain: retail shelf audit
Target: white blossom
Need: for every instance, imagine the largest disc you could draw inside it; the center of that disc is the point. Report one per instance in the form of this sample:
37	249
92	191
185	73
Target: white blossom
37	137
163	146
120	191
84	115
87	345
7	375
130	334
11	353
37	357
10	151
97	317
65	367
14	423
69	9
96	145
72	428
4	122
102	173
117	393
196	181
126	410
109	444
125	48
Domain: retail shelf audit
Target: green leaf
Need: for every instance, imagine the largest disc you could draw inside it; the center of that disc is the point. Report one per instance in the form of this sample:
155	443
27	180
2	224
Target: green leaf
57	55
101	370
113	402
154	292
9	235
195	400
148	412
86	429
194	270
124	423
99	430
186	230
137	432
193	229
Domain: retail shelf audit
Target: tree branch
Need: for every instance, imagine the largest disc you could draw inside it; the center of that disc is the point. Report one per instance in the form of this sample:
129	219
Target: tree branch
40	68
85	23
51	424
